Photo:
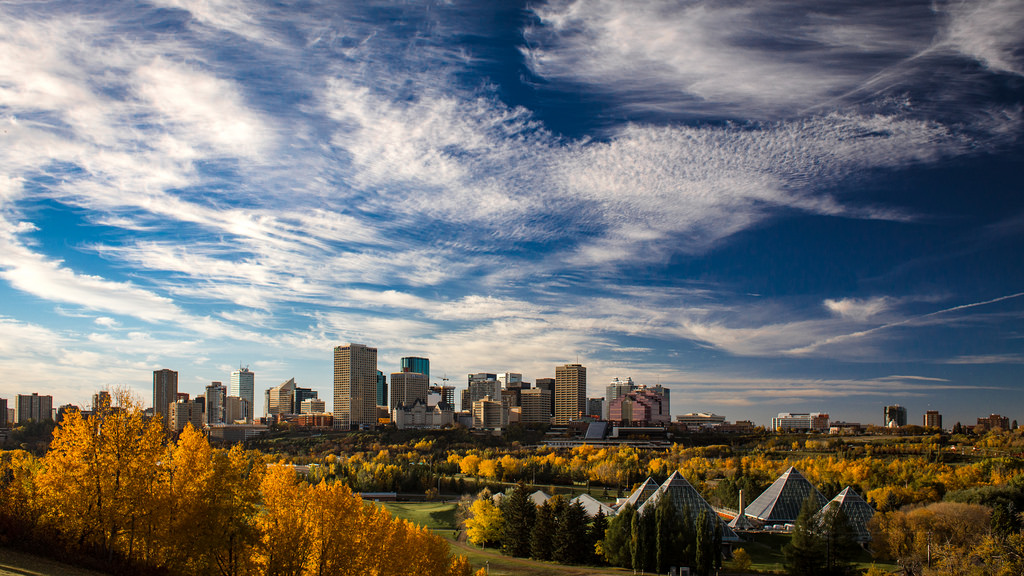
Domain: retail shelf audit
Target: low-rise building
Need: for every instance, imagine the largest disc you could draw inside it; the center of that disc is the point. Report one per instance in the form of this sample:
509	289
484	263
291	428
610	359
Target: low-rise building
422	415
800	422
697	420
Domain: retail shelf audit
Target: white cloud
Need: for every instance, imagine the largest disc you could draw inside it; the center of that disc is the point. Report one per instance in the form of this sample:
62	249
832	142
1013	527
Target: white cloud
859	309
989	31
752	58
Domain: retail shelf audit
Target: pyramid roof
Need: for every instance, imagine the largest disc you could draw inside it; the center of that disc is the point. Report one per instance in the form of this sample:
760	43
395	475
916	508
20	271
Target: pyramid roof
591	505
686	497
641	494
782	501
539	498
741	522
857	511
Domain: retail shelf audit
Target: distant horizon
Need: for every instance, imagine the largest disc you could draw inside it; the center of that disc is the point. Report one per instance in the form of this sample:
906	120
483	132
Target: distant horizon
766	207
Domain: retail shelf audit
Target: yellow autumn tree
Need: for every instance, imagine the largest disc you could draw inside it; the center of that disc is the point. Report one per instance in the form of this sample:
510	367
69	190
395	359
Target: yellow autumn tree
18	502
483	527
284	543
99	482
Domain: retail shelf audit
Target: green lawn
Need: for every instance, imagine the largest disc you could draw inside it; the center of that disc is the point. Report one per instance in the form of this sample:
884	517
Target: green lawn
438	516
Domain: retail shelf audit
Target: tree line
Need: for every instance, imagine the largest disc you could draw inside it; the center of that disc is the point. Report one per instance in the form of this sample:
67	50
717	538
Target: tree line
112	489
651	540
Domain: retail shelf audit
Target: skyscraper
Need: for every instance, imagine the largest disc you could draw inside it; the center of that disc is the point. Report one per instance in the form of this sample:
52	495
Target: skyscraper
382	389
216	399
616	389
407	387
3	413
570	393
165	391
243	385
355	386
416	364
32	407
894	416
549	385
280	399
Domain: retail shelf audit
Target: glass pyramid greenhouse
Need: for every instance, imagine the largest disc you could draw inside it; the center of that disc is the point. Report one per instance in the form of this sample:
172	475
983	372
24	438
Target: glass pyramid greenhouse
781	502
685	497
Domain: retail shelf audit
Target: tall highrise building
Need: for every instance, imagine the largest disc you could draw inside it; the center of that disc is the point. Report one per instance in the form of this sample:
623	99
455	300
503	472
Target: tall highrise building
165	391
570	393
382	389
483	384
3	413
243	385
216	400
893	416
100	401
355	386
616	389
32	407
416	364
549	385
536	406
932	419
407	387
280	399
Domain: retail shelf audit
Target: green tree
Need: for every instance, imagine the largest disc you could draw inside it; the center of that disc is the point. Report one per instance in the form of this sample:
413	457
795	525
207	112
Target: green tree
841	547
615	547
518	513
571	536
805	553
598	526
543	536
668	527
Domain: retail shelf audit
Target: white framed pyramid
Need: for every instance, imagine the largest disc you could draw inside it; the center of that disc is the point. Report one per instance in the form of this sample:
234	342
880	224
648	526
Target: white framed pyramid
780	503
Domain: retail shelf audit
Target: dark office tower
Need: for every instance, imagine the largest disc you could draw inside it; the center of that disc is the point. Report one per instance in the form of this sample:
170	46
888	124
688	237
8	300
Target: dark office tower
355	386
549	385
216	400
165	391
570	393
417	365
894	415
3	413
382	389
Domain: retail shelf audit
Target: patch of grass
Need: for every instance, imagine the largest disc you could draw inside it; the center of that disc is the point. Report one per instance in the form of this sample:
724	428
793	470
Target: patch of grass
433	515
765	551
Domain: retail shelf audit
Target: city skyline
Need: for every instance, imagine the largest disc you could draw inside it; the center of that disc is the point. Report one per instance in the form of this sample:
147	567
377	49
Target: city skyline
763	207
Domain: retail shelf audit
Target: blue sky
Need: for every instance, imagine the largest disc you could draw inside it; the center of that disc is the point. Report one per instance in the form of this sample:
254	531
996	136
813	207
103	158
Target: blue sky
767	207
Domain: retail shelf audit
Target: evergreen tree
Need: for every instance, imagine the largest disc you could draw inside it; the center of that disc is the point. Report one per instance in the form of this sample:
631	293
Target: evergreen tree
668	526
703	558
717	544
519	514
598	526
616	547
543	536
839	539
805	553
572	537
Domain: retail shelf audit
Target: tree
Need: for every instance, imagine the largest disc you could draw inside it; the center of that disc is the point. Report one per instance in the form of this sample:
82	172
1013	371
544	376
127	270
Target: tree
519	513
543	536
840	541
615	547
98	486
484	528
596	534
805	553
740	560
668	527
571	537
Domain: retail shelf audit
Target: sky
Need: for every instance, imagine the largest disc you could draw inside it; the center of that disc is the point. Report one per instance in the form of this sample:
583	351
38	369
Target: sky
767	207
